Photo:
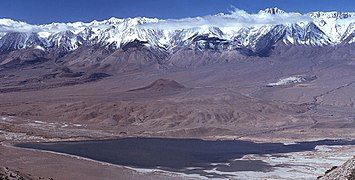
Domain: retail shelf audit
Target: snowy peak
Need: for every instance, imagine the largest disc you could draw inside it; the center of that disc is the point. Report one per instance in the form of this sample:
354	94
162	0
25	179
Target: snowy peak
333	14
20	40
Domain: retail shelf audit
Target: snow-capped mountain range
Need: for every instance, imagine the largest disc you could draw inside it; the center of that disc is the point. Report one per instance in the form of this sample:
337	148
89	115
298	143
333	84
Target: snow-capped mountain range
234	30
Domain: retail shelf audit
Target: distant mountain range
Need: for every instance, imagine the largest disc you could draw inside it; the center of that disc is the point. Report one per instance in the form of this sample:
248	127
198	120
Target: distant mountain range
249	34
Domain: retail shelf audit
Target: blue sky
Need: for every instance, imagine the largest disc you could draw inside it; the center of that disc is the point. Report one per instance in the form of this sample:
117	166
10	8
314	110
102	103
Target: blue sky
46	11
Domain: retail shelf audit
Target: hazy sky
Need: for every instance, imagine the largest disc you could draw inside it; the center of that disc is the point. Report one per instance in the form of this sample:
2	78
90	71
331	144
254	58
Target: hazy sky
46	11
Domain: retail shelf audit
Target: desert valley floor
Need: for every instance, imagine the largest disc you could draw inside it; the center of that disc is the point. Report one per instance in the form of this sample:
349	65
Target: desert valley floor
289	97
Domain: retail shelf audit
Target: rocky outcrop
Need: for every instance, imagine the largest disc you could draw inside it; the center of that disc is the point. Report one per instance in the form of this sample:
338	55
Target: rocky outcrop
7	174
343	172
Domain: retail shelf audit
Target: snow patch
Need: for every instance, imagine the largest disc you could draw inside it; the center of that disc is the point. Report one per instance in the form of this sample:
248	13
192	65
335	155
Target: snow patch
40	48
286	81
56	124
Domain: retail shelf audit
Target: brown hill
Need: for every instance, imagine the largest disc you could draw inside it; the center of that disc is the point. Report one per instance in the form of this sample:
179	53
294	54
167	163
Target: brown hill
162	85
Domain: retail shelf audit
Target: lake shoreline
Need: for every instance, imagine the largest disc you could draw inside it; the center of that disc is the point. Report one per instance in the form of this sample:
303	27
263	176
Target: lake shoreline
194	173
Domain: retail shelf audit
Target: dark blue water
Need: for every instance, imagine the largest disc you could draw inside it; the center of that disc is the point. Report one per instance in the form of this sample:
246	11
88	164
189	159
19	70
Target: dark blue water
178	154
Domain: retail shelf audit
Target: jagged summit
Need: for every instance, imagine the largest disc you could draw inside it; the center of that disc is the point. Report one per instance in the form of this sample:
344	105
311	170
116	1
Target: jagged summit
273	10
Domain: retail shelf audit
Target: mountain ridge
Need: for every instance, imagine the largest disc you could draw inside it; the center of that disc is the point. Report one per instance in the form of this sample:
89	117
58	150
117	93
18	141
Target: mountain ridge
329	28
